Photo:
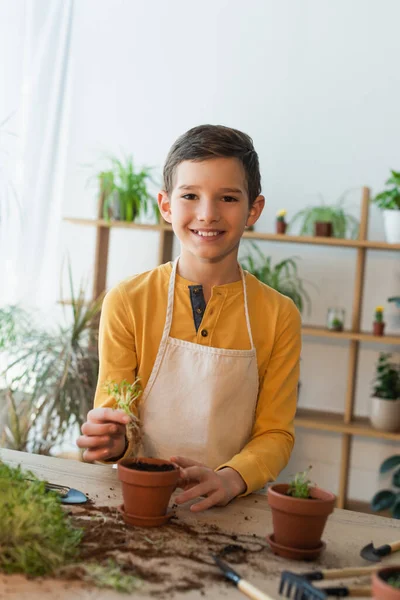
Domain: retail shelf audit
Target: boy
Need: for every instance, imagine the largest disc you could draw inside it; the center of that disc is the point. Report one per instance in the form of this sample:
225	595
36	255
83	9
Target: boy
217	351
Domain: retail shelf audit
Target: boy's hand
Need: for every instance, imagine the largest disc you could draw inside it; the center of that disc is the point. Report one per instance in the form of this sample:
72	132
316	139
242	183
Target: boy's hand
103	434
219	487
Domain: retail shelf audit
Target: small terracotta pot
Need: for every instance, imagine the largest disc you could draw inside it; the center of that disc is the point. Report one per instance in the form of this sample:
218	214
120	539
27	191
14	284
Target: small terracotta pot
146	493
379	328
281	226
323	229
381	590
299	522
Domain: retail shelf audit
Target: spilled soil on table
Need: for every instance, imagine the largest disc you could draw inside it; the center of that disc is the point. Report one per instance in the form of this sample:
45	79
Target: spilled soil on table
169	559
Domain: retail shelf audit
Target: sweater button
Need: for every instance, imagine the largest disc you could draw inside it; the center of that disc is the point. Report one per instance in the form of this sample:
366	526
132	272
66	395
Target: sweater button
204	332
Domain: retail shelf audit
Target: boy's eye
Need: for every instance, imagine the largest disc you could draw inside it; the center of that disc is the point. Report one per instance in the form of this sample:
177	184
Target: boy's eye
189	196
230	199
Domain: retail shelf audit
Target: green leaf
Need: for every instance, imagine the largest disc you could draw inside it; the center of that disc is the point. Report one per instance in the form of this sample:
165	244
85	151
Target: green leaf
396	509
383	500
396	478
390	463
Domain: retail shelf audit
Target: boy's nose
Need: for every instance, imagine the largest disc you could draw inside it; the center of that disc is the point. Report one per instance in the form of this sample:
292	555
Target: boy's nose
208	211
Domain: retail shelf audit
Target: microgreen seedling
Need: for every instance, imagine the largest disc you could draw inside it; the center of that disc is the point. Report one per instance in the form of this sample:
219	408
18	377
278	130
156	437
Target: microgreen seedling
126	396
300	485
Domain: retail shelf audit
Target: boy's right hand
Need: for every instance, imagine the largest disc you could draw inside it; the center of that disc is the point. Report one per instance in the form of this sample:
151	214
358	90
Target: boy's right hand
104	434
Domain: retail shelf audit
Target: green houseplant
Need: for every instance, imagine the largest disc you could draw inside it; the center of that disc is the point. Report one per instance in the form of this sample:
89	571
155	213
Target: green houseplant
50	377
299	514
389	202
282	277
326	220
389	499
125	191
385	410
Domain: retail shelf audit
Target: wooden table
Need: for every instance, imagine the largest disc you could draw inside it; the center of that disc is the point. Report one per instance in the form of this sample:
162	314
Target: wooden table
247	518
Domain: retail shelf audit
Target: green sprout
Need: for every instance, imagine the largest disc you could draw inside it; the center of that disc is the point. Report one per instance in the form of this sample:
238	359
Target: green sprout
394	581
109	575
126	396
300	485
36	537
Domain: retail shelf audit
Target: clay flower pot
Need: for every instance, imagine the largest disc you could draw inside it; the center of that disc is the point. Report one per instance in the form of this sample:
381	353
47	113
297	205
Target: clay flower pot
379	327
147	485
281	226
299	522
323	229
381	589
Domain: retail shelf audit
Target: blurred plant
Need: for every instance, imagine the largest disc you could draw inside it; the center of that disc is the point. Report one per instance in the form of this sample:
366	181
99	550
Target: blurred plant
379	314
282	277
50	377
390	199
126	396
125	193
300	485
386	384
343	223
281	214
389	499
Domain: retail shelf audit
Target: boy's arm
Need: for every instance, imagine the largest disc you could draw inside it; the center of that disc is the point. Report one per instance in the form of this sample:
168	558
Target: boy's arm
117	353
271	443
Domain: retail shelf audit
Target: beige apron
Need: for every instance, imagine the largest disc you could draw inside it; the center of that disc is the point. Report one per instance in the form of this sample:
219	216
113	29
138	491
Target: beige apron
200	401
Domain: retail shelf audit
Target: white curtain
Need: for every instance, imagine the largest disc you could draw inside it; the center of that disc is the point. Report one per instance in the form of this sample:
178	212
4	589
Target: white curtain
30	232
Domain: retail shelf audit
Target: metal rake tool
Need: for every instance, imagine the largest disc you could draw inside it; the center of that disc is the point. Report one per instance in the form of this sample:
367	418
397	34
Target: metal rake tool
298	586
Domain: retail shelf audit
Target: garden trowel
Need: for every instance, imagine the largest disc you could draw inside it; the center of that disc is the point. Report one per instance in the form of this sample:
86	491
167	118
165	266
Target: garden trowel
369	552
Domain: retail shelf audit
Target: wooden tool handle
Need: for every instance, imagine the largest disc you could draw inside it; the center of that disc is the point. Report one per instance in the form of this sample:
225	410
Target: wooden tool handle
394	546
360	592
251	591
348	572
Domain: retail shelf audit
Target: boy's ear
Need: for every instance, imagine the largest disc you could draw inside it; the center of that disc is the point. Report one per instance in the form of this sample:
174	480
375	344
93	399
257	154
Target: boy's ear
255	210
164	206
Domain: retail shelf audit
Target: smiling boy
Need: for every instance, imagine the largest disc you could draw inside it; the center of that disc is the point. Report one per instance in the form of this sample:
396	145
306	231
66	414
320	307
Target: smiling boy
216	350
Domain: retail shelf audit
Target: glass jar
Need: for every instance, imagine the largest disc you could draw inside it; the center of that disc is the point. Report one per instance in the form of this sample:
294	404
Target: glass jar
335	319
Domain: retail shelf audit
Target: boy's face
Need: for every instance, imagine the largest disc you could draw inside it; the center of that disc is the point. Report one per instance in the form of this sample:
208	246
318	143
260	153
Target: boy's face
209	207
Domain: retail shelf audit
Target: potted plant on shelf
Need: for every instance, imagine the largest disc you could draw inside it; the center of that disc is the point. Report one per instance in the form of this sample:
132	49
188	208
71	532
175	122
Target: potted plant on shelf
299	514
389	202
378	324
335	321
280	221
385	410
125	191
282	277
389	499
326	221
386	583
147	483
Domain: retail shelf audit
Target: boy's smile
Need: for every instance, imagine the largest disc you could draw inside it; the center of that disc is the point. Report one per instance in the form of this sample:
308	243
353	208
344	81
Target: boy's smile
209	209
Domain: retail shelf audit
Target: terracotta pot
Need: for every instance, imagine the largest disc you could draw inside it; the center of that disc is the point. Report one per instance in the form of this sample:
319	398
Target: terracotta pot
381	590
281	226
379	328
323	229
385	414
299	522
146	493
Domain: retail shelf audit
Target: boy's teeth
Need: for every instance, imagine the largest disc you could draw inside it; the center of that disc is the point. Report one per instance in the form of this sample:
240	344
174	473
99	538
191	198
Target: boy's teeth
207	233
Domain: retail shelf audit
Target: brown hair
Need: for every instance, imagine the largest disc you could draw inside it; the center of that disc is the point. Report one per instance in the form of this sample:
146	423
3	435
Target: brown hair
210	141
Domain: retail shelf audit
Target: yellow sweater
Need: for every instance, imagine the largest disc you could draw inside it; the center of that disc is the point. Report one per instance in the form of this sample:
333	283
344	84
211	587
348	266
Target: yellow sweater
131	326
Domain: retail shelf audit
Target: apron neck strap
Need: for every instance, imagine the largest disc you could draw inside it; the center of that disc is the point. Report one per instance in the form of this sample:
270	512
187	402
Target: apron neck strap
170	306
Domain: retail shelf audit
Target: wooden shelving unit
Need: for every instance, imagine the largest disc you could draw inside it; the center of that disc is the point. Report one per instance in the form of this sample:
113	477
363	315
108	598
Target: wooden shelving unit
345	424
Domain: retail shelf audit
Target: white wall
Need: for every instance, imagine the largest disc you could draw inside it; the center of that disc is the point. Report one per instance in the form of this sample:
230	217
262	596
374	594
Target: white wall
315	83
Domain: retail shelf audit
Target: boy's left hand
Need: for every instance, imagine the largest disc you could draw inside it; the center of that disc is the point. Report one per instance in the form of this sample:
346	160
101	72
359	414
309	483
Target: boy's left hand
219	487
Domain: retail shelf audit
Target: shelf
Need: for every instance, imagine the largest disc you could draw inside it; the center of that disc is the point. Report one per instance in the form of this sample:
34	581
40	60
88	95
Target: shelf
321	241
350	335
254	235
120	224
327	421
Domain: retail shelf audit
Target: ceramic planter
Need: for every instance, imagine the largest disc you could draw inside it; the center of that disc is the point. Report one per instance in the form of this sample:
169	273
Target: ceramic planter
281	227
299	523
381	590
378	328
391	222
323	229
385	414
146	493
